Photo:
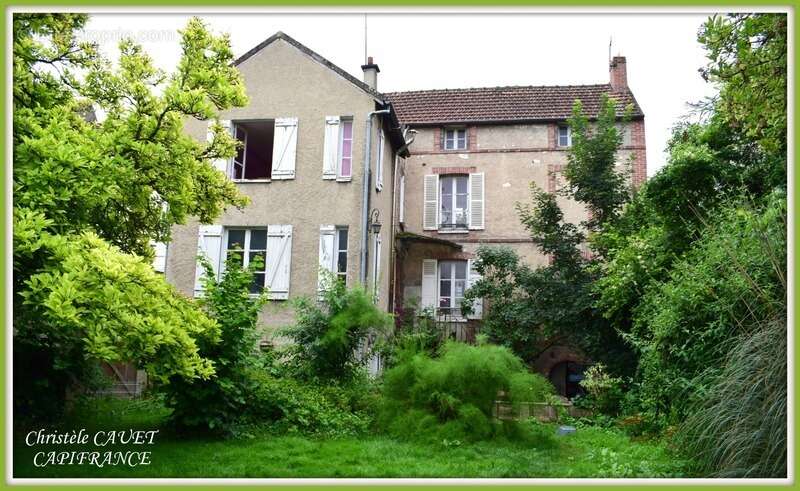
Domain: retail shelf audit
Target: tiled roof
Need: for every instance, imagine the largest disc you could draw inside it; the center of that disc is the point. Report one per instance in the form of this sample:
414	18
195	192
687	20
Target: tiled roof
498	104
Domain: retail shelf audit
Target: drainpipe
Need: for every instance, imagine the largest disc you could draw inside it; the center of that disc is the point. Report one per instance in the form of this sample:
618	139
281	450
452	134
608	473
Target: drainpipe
365	200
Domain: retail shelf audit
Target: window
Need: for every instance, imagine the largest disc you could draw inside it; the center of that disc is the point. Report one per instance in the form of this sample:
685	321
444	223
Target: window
253	158
267	149
452	285
454	202
333	243
341	254
345	167
249	247
455	139
564	136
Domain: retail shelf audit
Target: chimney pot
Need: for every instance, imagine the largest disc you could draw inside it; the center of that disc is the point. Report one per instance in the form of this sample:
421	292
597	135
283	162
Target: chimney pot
618	73
371	71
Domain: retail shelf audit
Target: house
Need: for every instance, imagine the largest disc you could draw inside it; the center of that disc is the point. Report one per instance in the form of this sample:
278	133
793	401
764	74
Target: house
473	157
307	135
393	191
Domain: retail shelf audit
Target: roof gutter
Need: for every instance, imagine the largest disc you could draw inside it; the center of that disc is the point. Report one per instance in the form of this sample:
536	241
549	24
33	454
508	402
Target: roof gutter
365	197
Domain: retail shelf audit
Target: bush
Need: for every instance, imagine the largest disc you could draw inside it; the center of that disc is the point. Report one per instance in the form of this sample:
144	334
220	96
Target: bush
603	392
217	403
452	397
739	428
288	405
330	337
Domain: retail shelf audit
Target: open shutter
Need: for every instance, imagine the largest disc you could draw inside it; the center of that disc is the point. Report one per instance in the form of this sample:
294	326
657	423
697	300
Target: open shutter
476	211
219	164
331	152
379	162
402	199
428	294
209	245
284	149
376	269
430	213
279	260
472	278
327	235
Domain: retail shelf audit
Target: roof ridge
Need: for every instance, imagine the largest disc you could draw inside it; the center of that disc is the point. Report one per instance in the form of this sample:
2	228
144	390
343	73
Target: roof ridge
497	87
314	55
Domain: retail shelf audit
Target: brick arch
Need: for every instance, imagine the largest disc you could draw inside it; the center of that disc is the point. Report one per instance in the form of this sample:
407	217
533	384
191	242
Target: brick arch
557	354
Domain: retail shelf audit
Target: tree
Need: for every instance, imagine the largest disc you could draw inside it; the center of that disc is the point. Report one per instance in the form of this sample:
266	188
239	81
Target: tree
535	308
747	59
218	402
90	196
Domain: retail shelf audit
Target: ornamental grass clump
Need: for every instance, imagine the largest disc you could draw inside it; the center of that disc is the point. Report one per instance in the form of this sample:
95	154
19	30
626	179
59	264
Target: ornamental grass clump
452	397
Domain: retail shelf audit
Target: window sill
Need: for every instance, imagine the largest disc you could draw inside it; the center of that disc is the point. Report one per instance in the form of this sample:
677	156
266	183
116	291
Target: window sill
464	231
344	179
250	181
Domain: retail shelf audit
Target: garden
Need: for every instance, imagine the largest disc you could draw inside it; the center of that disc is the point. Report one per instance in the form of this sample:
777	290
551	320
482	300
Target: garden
675	290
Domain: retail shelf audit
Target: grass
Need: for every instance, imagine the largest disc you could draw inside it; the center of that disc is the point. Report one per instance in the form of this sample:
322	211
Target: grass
591	452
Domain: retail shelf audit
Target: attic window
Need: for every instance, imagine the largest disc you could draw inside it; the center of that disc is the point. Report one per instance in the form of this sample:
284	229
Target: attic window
564	136
455	139
253	160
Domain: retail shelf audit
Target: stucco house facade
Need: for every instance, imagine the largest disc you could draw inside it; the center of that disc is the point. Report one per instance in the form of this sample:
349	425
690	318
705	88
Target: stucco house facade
394	191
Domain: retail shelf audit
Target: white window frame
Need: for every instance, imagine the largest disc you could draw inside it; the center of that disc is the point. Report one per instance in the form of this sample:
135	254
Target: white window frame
337	250
245	250
558	136
232	162
455	140
453	198
452	279
342	121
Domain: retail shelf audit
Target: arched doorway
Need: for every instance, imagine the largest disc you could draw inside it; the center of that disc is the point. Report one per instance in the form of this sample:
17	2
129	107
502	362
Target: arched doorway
566	376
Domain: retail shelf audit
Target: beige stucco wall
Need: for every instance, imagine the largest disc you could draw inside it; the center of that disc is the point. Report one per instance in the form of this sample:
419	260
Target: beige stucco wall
282	81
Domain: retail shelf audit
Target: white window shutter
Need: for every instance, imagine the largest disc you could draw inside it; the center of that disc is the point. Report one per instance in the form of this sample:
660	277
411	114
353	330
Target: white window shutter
284	149
376	269
430	213
428	296
327	255
331	152
379	163
209	245
219	164
402	199
472	277
279	260
476	201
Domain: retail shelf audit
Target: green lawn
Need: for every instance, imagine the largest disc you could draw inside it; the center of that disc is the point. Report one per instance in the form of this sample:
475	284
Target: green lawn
592	452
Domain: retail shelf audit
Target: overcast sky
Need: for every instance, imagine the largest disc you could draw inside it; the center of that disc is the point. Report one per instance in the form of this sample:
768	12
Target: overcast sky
434	51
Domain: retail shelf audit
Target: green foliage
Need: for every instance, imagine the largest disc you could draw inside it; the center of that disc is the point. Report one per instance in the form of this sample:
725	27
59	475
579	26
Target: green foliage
603	392
731	280
747	60
738	429
452	397
328	335
88	195
90	302
215	404
288	405
591	172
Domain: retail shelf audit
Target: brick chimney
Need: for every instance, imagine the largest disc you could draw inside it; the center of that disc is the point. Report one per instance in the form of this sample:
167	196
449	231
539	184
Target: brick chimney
618	73
371	71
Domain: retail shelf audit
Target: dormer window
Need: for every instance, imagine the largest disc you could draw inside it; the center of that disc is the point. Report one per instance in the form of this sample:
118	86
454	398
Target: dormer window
455	139
564	136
